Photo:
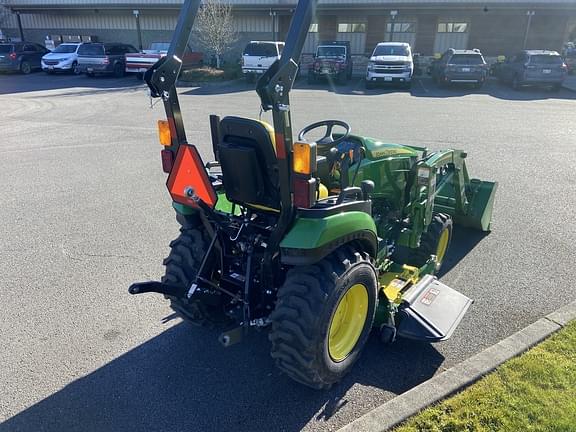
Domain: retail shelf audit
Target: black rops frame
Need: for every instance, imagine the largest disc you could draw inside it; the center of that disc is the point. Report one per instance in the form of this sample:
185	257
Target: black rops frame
273	88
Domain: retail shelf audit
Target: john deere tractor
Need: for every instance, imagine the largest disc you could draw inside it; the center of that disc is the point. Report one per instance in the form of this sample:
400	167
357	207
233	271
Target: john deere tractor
317	241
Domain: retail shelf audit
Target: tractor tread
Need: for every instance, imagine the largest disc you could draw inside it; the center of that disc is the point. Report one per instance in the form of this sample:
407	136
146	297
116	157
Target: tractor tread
428	242
297	334
186	254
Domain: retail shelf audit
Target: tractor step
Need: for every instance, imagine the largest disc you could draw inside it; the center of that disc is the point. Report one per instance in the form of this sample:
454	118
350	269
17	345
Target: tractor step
431	311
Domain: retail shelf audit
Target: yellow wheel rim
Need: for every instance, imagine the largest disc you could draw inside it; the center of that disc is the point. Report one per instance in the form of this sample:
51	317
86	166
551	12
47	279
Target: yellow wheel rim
442	246
348	322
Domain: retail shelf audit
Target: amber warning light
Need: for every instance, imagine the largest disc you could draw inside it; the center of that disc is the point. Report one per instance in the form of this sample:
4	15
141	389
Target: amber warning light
188	180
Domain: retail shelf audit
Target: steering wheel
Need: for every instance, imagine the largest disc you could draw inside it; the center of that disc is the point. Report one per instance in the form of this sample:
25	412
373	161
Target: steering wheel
328	138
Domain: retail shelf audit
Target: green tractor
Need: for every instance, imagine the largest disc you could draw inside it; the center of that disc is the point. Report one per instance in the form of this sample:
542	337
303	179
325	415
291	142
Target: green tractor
319	241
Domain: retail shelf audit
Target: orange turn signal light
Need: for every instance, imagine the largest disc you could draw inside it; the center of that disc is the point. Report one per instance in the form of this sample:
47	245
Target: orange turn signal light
164	133
304	158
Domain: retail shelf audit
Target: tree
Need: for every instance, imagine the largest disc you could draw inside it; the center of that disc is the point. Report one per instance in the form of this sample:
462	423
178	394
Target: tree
215	27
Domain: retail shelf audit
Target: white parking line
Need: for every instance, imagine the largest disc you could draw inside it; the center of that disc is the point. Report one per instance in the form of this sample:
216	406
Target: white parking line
423	87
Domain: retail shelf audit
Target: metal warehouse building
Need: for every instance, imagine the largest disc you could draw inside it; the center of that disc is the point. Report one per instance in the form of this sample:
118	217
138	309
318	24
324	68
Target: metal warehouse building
497	27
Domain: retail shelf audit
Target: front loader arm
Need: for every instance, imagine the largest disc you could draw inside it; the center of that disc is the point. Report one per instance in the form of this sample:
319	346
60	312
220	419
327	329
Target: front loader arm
432	174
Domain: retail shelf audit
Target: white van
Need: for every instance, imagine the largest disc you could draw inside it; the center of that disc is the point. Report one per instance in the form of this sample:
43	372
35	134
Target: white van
258	56
391	62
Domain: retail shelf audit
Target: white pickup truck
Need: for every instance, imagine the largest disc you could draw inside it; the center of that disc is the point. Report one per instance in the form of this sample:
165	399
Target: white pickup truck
258	56
392	63
139	63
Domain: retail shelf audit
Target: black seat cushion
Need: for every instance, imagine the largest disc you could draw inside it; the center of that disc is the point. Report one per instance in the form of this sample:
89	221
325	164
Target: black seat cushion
249	165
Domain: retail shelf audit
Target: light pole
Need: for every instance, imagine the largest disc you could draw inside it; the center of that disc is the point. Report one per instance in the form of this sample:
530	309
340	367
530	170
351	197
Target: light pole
393	15
136	13
19	20
529	14
273	15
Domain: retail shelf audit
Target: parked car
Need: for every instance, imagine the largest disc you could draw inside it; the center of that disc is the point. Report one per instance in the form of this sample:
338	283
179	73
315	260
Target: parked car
390	62
258	56
64	58
21	57
139	63
460	66
534	67
103	58
333	59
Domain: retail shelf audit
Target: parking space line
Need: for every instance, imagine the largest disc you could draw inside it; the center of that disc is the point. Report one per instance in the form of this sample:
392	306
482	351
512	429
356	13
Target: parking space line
423	87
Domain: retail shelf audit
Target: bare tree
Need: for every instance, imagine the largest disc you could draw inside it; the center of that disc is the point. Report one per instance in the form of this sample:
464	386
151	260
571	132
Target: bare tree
215	27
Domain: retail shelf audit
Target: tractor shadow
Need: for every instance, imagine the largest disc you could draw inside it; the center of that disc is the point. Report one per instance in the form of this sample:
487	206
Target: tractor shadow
463	241
184	380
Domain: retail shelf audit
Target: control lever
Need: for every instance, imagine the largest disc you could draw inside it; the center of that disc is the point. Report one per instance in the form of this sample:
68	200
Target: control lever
367	187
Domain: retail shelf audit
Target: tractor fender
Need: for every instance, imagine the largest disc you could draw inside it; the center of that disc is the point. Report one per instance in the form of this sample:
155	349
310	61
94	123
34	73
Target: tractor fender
311	239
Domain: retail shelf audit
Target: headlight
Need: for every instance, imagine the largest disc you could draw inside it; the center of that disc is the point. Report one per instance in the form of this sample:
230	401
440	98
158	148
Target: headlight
371	65
64	60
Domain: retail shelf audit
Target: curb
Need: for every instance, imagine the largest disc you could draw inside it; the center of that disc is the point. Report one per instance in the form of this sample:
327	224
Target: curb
402	407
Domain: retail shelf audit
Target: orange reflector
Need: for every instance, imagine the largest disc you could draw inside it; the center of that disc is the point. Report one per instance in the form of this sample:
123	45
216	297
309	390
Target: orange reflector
164	133
304	158
189	179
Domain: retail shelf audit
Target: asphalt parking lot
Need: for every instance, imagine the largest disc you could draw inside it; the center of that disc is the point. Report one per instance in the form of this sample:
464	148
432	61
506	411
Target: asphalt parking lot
85	213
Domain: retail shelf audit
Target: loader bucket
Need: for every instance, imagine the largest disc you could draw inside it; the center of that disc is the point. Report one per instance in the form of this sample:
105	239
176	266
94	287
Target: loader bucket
480	195
481	203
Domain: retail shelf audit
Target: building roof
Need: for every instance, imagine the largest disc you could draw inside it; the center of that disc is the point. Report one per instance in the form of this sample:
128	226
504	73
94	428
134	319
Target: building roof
16	4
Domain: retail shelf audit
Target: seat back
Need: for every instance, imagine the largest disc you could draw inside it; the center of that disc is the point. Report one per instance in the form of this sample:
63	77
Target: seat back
247	156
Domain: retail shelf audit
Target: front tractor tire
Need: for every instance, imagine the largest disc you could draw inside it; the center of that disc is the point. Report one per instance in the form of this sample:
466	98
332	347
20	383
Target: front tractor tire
436	241
323	317
186	254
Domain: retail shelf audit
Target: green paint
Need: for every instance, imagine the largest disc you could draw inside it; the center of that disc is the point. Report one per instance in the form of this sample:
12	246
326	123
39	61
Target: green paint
308	233
184	210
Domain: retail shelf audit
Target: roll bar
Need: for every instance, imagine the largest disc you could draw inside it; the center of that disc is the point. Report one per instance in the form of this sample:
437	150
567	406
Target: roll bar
273	88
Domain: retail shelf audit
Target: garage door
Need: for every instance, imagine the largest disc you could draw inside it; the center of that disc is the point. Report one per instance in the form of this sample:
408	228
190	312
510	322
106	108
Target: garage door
401	31
451	34
354	31
311	40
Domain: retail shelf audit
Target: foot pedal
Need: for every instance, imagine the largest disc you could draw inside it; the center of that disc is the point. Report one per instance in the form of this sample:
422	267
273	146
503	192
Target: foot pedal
431	311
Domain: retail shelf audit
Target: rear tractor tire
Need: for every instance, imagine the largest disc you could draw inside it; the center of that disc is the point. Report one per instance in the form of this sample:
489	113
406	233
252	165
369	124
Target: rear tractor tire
436	241
186	254
323	317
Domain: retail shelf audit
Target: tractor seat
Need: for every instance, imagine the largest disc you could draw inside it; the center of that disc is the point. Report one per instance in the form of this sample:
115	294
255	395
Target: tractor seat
247	154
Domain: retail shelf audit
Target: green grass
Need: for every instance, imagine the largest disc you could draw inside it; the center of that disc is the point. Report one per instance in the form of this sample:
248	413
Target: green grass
533	392
209	74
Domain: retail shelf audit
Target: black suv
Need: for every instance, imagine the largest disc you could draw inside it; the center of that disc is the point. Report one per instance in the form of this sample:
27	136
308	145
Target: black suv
333	59
103	58
21	56
460	66
534	67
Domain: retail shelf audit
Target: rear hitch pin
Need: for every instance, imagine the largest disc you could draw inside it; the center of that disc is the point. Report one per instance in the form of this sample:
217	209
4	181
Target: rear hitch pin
237	234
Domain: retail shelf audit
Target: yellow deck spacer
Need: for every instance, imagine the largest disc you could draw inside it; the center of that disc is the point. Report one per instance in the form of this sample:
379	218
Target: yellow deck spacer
348	322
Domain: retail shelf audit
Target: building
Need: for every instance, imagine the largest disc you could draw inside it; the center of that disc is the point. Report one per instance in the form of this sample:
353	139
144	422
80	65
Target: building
497	27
